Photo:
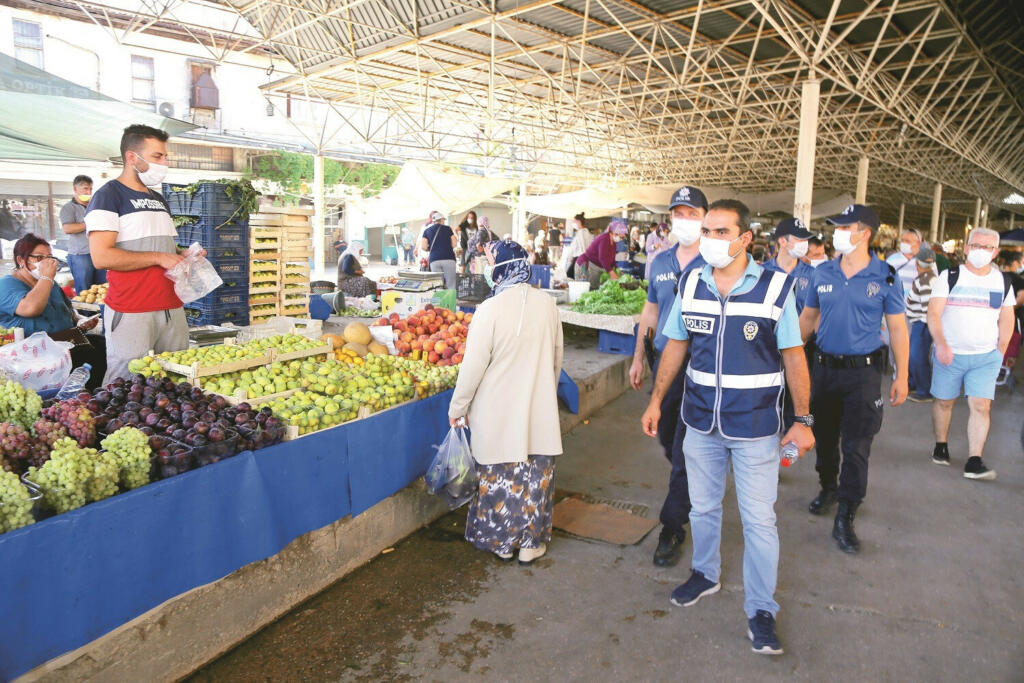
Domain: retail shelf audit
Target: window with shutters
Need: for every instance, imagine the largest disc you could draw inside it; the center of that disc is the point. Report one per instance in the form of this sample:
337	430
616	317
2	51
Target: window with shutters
28	42
143	77
201	157
205	94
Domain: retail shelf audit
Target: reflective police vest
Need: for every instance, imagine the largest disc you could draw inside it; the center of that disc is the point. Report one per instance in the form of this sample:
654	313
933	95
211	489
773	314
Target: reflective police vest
734	379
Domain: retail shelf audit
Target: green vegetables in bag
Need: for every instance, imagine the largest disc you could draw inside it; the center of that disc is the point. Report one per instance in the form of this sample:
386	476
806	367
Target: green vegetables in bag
625	296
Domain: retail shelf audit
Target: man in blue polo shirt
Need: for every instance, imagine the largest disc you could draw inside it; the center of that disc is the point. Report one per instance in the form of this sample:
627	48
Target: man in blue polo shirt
846	302
792	240
731	407
791	244
688	207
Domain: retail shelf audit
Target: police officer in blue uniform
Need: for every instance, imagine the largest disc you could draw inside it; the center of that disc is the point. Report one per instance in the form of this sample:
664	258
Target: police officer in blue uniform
739	323
688	207
791	243
847	300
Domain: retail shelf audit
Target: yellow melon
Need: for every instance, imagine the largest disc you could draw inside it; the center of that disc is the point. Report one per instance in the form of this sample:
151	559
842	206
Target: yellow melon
357	333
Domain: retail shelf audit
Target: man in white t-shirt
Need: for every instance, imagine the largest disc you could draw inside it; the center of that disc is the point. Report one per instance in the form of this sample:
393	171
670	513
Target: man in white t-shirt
971	323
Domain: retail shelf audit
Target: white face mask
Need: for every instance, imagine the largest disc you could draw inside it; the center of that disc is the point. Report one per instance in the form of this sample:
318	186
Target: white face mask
799	250
686	230
152	176
716	252
841	241
815	262
905	248
979	258
35	272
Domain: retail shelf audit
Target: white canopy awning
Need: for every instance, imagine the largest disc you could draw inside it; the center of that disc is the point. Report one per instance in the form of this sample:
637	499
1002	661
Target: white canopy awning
423	187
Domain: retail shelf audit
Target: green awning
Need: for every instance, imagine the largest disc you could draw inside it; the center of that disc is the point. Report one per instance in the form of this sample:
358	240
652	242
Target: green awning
43	116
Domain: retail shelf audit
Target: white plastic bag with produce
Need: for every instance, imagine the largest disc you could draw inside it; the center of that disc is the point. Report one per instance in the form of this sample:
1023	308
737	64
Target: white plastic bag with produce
195	276
38	362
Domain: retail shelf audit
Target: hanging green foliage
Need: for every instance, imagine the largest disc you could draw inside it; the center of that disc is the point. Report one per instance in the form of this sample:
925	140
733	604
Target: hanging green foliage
293	170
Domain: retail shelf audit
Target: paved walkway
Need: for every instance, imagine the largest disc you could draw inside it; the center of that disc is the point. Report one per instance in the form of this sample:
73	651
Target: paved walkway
936	593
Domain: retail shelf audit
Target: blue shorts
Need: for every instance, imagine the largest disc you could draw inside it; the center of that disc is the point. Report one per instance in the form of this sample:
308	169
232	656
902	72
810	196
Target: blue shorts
975	372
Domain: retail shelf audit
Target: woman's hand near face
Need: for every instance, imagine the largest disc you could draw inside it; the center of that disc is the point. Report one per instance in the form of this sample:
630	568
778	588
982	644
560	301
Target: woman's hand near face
48	267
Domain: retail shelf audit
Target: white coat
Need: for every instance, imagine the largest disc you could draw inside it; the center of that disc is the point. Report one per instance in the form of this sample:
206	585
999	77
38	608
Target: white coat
507	386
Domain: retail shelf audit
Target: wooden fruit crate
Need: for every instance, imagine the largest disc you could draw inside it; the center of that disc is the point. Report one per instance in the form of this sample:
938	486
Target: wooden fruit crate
261	241
194	371
259	309
264	272
302	353
263	297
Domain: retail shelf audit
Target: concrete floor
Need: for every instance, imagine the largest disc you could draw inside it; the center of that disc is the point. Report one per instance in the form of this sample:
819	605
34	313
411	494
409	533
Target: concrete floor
935	594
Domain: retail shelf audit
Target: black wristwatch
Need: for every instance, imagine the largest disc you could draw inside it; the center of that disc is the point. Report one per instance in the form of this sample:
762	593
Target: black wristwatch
806	420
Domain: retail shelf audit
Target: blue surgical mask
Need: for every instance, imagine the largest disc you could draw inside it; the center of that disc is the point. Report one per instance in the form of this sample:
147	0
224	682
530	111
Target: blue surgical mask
488	275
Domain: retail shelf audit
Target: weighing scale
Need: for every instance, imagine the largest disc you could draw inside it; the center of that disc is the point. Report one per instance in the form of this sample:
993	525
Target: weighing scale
418	281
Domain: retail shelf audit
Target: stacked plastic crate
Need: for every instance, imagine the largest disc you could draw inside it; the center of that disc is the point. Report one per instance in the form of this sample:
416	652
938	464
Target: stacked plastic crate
218	226
288	228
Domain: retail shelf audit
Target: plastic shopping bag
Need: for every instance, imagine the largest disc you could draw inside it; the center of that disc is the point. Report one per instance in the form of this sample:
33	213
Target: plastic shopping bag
194	277
452	474
38	362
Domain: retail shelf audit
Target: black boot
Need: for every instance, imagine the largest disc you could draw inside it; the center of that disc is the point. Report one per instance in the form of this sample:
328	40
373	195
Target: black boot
826	498
842	530
670	548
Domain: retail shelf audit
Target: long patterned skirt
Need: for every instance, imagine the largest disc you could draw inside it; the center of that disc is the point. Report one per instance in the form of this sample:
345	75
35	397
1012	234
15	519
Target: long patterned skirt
513	505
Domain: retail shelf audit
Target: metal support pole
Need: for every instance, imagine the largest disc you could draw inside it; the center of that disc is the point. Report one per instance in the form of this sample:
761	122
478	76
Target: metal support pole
1013	216
942	227
977	214
862	180
519	225
318	213
903	210
986	209
936	211
803	196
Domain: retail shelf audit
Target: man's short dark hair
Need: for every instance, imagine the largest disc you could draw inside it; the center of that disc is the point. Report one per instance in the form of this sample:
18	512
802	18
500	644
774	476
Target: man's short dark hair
816	242
79	179
737	207
136	134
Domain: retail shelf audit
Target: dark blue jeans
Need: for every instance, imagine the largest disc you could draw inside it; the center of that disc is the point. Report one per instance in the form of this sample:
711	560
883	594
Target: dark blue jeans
920	359
85	275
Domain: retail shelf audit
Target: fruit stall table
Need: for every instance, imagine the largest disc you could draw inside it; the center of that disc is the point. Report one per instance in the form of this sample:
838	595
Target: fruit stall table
71	578
617	333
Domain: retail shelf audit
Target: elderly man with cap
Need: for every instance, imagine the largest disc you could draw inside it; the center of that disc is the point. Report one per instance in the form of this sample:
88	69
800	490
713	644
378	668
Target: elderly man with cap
439	242
791	244
917	318
846	302
688	207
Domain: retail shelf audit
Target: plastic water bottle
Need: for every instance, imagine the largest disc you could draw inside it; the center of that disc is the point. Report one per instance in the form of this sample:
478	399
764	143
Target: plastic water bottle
790	454
75	383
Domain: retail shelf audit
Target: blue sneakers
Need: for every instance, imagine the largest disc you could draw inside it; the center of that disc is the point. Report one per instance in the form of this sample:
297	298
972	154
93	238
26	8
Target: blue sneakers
695	588
761	631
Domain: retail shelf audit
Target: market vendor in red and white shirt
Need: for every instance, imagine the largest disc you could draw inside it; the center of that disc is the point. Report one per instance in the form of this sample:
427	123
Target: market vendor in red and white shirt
132	235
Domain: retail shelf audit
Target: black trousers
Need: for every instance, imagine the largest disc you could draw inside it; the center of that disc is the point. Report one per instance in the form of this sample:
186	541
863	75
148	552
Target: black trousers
847	408
675	511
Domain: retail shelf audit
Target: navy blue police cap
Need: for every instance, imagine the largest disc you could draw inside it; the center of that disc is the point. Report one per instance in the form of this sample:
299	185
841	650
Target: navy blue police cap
792	226
689	196
856	213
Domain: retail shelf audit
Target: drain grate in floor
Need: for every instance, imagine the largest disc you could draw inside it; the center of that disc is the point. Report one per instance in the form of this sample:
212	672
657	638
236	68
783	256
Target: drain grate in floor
632	508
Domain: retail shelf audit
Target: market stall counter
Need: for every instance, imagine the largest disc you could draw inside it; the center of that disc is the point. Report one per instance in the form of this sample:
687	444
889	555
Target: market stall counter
76	576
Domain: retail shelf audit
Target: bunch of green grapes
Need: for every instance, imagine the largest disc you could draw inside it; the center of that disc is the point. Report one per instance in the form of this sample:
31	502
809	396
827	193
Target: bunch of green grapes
66	478
105	475
15	503
18	404
131	449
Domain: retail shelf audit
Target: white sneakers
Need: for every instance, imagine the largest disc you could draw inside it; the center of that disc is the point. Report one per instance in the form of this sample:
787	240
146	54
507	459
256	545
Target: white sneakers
528	555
